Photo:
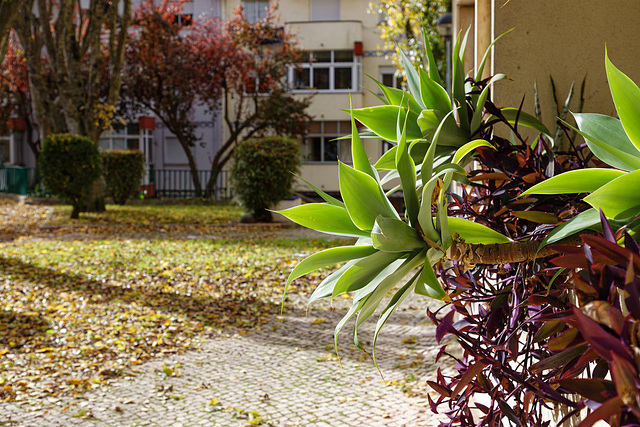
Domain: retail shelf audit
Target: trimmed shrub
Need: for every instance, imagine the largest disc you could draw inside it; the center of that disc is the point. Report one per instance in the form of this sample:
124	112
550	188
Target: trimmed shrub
263	173
69	165
123	171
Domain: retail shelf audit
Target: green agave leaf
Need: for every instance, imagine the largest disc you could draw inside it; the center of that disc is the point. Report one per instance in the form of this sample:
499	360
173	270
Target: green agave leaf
433	66
407	171
626	97
584	220
469	147
428	284
619	198
324	217
576	181
458	83
413	79
395	302
425	216
474	233
452	135
382	120
396	236
363	272
359	156
362	135
398	97
352	310
476	120
328	257
608	140
373	301
433	95
486	55
388	160
363	197
325	288
524	119
327	198
442	222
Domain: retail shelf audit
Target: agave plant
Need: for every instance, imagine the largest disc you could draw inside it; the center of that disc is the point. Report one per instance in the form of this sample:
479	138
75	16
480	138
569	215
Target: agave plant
616	143
433	137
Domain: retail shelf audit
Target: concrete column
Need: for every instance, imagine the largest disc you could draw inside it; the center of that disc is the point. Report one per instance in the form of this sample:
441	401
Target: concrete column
483	34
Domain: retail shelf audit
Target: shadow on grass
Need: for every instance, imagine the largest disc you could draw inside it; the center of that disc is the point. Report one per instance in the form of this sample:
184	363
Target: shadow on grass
228	308
15	327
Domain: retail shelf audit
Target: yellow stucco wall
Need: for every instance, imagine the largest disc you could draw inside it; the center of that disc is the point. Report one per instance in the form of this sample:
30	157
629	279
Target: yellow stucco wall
356	25
564	39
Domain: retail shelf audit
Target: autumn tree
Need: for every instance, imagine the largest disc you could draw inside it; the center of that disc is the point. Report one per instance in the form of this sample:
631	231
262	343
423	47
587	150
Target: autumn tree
159	70
402	27
85	50
253	89
15	96
235	68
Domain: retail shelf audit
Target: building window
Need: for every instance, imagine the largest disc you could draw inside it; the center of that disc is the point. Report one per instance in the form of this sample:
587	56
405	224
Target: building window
255	10
320	144
390	78
130	137
327	70
5	143
185	17
325	10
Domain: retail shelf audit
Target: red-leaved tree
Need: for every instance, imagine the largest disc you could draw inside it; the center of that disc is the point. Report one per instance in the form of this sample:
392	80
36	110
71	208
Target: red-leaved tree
236	69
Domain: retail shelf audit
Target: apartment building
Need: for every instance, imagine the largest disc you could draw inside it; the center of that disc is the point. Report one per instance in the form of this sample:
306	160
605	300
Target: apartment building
341	43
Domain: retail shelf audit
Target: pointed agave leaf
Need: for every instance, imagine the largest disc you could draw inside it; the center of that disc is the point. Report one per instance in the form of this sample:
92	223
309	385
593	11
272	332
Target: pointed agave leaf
396	236
433	66
395	302
426	169
425	216
388	160
413	79
584	220
363	272
486	55
352	310
468	147
382	120
476	120
328	257
325	218
428	284
325	288
407	171
373	301
458	86
360	159
363	197
619	199
474	233
451	135
433	95
575	181
398	97
626	97
608	140
326	197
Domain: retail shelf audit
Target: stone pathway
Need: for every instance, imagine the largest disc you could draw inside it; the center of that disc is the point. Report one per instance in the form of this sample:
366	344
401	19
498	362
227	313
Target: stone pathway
285	374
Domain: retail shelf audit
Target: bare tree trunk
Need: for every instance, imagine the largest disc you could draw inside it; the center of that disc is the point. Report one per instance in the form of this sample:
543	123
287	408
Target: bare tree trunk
8	11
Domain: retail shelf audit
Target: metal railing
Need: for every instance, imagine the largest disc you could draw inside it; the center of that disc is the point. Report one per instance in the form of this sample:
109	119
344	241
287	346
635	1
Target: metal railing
158	183
178	183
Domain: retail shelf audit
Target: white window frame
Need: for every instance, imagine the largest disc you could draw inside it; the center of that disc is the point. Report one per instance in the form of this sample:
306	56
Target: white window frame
258	9
390	70
332	65
144	137
344	146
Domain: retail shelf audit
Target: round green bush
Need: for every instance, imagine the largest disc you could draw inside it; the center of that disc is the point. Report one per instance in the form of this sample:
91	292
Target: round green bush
122	170
263	173
69	165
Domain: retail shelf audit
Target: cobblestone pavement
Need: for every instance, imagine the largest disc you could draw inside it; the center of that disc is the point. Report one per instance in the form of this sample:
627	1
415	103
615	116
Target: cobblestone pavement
285	374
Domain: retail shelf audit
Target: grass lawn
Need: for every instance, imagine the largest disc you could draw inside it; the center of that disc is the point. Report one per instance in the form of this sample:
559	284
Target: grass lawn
75	313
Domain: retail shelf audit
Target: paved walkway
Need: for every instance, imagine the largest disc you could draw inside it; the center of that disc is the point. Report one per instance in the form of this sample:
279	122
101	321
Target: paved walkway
285	374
